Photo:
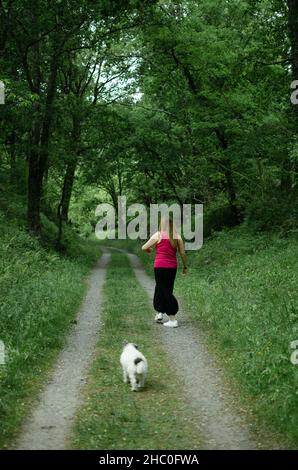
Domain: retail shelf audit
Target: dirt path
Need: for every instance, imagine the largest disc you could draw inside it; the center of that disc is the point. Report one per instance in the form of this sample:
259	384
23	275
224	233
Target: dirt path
51	419
50	423
222	426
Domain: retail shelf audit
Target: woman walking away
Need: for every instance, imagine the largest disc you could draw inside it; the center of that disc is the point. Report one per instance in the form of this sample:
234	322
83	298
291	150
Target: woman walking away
167	242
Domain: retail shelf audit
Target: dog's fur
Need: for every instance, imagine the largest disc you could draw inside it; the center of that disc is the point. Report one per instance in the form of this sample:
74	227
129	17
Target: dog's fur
134	365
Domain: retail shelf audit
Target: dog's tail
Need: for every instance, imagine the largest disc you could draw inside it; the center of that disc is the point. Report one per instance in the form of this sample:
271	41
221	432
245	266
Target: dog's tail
140	365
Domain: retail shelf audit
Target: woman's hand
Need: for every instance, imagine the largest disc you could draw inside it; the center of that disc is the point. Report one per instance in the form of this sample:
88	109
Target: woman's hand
147	247
182	254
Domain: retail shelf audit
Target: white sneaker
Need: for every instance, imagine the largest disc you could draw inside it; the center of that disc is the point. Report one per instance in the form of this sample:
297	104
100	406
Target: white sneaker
158	317
171	323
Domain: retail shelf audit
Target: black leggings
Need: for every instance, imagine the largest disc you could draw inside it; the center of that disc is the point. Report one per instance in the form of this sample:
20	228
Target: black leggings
164	300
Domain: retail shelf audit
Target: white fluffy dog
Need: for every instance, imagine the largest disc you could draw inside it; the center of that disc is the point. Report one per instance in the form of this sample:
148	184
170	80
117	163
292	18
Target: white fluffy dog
134	365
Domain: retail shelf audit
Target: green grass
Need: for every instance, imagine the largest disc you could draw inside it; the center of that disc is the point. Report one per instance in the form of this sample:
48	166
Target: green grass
241	289
41	291
114	417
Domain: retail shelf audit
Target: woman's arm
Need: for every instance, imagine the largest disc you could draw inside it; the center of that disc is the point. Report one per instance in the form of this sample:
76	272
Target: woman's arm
182	254
150	243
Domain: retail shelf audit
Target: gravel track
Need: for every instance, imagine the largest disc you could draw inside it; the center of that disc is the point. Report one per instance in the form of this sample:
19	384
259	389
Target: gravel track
50	422
217	416
221	425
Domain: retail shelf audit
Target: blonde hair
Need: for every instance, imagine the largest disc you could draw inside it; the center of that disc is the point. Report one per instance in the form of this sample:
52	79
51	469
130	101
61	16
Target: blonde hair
166	225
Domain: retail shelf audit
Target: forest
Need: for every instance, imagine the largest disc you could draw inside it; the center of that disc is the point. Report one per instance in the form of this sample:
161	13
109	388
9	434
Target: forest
160	101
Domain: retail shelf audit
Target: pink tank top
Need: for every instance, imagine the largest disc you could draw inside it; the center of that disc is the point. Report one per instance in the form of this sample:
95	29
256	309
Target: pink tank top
165	256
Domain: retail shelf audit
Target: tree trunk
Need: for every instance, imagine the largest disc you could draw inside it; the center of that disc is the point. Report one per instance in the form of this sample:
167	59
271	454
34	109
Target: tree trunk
71	167
293	36
227	169
231	191
12	153
67	188
111	189
34	194
39	156
34	179
5	17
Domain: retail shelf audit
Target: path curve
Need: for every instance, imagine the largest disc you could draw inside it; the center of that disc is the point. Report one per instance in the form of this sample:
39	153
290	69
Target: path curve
222	427
49	425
